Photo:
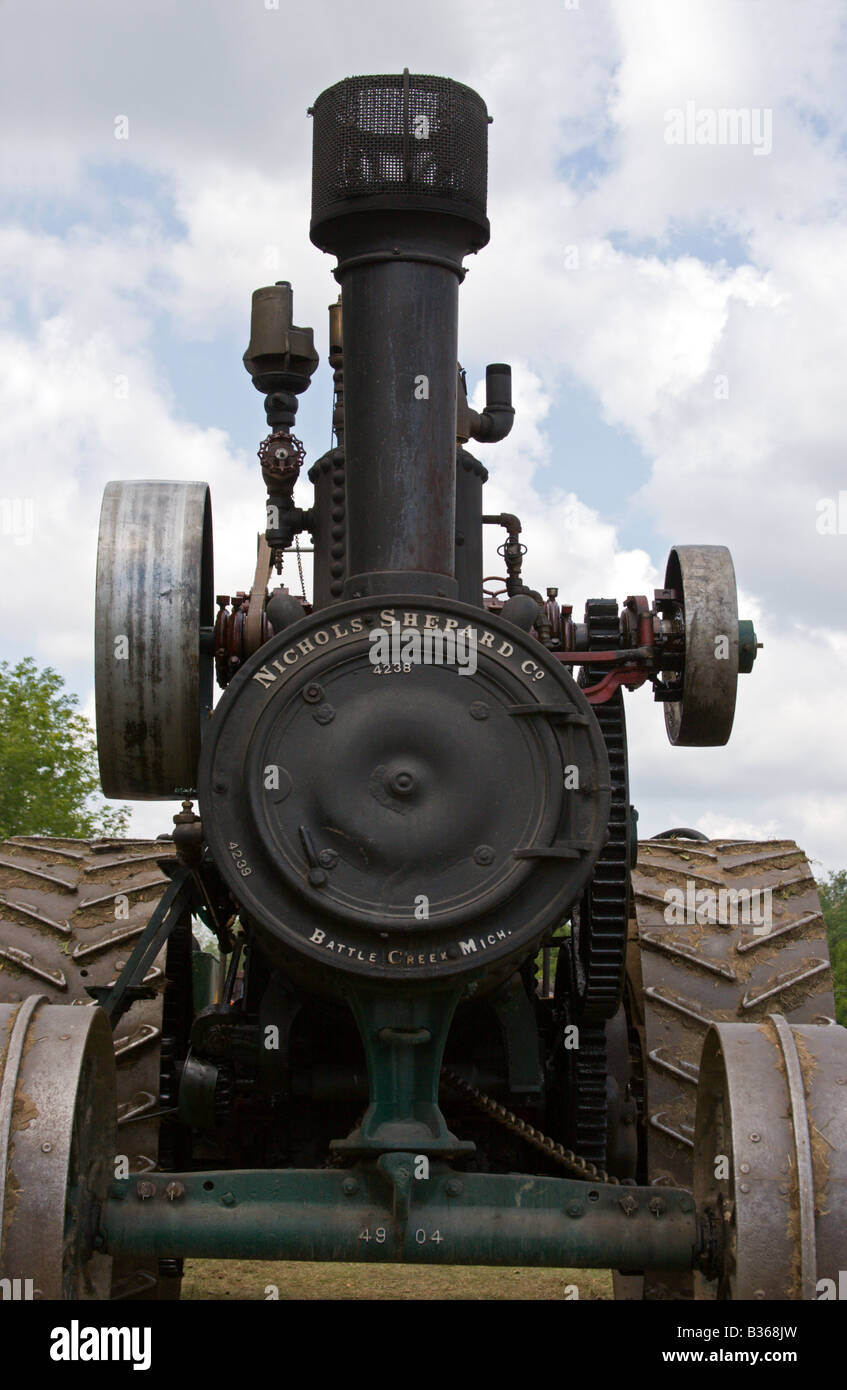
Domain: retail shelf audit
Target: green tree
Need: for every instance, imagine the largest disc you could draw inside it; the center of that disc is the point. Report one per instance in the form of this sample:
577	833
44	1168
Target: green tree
832	892
49	783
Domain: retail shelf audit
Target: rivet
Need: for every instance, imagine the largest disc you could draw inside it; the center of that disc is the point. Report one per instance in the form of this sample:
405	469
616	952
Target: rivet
174	1191
145	1190
402	782
454	1187
759	1293
483	854
744	1187
755	1138
46	1148
328	858
745	1167
229	1199
575	1209
479	710
349	1187
324	715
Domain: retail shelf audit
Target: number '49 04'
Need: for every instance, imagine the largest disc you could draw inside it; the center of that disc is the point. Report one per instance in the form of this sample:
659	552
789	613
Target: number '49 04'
421	1236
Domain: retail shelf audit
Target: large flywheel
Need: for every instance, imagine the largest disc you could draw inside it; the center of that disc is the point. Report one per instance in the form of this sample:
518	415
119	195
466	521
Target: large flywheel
702	579
153	637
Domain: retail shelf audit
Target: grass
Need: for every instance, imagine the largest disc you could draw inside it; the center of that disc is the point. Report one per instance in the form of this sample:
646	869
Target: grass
249	1279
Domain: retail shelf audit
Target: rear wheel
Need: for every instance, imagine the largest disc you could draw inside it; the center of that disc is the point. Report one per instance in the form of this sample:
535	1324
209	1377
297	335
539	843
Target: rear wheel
71	911
685	974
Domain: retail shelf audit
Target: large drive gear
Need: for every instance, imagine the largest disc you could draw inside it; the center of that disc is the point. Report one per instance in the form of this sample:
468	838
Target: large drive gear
589	976
70	913
600	921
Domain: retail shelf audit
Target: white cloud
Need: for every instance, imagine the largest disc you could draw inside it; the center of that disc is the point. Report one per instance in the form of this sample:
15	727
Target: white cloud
646	331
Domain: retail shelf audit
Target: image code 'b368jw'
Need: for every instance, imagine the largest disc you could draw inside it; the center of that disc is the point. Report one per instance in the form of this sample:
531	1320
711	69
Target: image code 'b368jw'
458	1013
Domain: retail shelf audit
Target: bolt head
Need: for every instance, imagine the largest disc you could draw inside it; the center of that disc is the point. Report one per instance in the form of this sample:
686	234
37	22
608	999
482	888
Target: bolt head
229	1199
402	783
349	1187
483	854
454	1187
575	1209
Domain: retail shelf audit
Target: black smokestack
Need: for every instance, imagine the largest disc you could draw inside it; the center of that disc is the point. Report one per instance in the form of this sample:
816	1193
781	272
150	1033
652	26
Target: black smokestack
398	195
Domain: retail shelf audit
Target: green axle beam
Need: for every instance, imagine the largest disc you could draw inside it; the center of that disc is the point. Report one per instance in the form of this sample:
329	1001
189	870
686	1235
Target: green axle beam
380	1211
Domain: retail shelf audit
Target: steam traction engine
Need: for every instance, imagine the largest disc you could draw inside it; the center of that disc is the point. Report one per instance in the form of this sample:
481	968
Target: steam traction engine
453	1021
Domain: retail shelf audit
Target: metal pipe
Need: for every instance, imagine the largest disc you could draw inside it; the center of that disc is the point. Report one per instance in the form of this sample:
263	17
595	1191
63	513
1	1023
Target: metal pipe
470	476
398	195
452	1218
498	416
401	340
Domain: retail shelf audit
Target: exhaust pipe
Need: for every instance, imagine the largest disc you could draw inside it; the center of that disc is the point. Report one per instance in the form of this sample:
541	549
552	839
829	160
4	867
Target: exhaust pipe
399	196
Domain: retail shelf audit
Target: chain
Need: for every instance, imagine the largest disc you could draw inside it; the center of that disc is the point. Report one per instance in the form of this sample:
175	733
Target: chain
566	1157
300	565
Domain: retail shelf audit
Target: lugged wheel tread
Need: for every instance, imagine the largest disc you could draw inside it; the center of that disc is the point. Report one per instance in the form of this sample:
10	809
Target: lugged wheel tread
708	978
57	907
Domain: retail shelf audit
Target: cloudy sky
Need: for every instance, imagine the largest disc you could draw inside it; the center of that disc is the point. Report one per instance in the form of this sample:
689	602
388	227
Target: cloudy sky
673	308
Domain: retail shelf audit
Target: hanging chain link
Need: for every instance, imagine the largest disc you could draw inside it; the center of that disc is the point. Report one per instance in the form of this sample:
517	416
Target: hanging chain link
580	1167
300	566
